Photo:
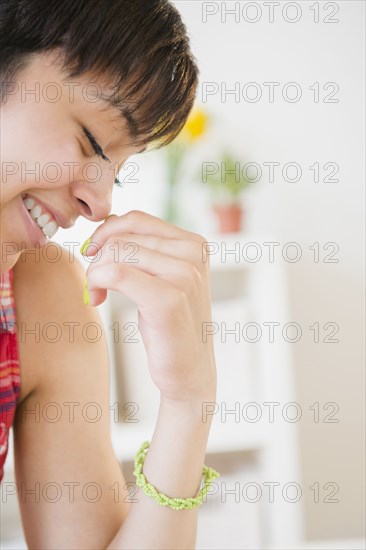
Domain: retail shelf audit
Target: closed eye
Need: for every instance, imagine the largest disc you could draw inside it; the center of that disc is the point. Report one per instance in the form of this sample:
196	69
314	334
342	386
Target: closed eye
99	151
97	148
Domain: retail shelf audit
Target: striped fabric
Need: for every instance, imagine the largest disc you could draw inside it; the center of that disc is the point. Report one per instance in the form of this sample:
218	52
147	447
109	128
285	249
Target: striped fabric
9	364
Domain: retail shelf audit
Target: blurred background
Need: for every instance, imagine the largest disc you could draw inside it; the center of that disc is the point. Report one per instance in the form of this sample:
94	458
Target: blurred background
270	169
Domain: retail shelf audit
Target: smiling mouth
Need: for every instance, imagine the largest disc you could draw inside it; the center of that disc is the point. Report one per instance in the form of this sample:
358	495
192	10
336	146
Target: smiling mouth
41	216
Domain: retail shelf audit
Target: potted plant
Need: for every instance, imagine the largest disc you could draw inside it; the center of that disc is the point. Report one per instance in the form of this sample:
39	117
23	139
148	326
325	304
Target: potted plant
226	181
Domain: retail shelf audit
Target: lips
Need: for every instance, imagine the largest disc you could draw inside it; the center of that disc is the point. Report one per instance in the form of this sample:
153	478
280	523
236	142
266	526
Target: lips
42	217
54	214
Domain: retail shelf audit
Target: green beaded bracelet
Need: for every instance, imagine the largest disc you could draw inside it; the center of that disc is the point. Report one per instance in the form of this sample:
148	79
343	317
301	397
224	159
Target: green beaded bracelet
175	503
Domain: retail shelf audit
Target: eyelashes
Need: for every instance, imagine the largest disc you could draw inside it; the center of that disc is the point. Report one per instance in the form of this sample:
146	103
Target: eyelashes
99	151
97	148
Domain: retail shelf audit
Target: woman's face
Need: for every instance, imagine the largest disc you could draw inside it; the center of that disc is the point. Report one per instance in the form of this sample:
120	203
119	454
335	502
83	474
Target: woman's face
50	171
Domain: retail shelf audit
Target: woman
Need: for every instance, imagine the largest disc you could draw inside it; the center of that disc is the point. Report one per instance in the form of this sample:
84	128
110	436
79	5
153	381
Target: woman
89	83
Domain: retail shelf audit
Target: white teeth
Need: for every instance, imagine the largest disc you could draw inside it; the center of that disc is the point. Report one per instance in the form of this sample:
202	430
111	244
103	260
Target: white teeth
29	203
36	211
43	220
50	229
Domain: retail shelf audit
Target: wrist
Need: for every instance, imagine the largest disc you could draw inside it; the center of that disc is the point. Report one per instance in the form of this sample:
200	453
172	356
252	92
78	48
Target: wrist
191	409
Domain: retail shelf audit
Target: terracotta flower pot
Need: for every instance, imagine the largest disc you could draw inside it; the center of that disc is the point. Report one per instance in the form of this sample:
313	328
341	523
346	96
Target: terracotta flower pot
229	217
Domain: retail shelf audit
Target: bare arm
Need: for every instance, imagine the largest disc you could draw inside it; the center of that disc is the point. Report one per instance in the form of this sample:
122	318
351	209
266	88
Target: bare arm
174	466
75	457
65	464
168	279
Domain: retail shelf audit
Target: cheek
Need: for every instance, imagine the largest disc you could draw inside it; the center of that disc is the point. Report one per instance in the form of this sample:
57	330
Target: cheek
40	163
43	165
60	162
40	150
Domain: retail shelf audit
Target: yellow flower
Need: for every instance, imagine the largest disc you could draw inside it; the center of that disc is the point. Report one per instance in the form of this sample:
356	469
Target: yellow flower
195	126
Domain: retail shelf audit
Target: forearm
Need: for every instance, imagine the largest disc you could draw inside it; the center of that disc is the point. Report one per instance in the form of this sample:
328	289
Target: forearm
173	465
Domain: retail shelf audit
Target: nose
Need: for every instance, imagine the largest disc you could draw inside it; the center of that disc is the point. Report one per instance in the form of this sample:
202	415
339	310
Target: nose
94	199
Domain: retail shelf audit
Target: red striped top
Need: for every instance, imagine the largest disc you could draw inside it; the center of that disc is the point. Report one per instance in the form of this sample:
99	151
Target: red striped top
9	364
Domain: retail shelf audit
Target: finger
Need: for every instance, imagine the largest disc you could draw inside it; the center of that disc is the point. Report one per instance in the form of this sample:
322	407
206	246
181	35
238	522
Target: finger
195	252
136	222
189	251
96	296
149	293
178	272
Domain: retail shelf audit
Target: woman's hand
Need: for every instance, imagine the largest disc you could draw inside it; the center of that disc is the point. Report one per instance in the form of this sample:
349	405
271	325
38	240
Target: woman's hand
161	268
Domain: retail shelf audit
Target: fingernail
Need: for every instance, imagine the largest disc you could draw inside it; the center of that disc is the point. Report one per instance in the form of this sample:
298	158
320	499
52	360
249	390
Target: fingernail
86	292
85	246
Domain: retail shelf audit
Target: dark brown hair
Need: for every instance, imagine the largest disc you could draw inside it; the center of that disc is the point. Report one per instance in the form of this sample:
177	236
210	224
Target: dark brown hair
141	46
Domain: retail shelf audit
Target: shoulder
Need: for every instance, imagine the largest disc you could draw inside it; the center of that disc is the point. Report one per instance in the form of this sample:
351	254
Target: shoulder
47	270
50	315
62	424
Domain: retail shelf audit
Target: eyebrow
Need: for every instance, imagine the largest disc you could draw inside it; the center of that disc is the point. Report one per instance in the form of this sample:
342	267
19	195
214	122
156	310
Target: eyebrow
131	121
125	115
